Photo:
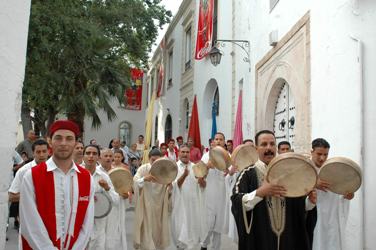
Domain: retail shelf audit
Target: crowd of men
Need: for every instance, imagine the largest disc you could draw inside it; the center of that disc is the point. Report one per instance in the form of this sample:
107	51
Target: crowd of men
57	191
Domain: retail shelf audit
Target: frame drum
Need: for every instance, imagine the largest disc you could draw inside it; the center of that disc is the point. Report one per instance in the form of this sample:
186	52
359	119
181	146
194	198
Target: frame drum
122	180
244	156
200	169
102	205
294	172
164	170
220	158
343	174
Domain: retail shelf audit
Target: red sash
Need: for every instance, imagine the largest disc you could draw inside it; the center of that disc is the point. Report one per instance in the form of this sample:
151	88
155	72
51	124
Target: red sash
45	202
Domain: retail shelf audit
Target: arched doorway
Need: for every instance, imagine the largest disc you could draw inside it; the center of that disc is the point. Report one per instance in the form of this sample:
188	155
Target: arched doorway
168	128
285	115
125	132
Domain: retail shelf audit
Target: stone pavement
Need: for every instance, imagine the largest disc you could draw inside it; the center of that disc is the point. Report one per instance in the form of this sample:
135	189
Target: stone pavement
12	234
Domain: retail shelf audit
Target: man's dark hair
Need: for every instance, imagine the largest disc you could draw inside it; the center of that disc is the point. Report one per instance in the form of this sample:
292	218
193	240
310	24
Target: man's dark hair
93	146
220	133
247	140
284	143
320	143
141	136
265	131
184	145
38	142
155	152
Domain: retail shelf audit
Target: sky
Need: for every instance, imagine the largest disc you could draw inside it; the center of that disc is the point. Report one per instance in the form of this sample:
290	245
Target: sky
173	6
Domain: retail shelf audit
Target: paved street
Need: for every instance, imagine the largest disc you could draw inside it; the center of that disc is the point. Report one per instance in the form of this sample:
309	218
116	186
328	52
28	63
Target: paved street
12	243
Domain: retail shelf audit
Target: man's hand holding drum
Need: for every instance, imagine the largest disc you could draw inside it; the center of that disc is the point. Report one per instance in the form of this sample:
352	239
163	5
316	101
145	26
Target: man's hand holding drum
104	184
268	189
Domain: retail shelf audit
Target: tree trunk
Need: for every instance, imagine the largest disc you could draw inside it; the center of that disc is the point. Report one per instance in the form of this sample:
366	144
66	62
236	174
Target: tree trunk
25	119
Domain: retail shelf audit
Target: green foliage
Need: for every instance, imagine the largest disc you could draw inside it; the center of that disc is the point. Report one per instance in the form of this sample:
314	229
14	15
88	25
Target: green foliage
80	51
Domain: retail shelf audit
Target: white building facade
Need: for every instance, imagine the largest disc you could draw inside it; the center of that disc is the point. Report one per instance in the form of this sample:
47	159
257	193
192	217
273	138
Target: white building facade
14	23
310	75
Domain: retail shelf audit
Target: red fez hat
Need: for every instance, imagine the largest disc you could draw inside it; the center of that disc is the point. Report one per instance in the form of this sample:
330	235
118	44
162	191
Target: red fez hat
64	124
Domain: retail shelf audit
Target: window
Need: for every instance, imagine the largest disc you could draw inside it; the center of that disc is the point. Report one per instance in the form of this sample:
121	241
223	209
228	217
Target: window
272	4
125	133
186	114
168	128
156	129
215	22
170	68
188	48
216	102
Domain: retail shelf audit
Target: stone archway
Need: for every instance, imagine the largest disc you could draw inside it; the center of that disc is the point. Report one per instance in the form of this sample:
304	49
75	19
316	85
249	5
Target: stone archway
288	63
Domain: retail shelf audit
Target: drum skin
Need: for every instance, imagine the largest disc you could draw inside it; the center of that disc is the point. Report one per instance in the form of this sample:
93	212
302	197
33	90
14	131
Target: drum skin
122	180
220	158
244	156
343	174
294	172
102	205
164	170
200	169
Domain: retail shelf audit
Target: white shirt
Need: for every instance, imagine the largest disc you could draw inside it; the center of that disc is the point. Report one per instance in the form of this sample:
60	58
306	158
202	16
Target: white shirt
15	188
66	201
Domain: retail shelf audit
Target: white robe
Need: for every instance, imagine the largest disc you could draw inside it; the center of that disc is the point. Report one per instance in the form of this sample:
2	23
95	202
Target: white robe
232	229
153	207
116	236
217	200
188	222
98	236
332	213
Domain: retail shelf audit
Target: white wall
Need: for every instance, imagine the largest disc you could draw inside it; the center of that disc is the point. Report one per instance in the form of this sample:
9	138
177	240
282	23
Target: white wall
336	80
14	21
205	71
110	130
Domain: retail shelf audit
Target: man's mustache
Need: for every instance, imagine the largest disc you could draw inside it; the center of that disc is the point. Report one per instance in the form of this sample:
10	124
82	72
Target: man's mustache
267	153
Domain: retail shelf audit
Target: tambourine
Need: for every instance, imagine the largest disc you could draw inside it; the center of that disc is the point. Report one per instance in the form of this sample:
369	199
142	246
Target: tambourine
243	156
164	170
102	205
220	158
343	174
294	172
122	180
200	169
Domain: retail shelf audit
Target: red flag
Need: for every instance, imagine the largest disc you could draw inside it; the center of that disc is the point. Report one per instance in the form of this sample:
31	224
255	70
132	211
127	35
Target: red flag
194	126
160	80
238	133
204	28
133	94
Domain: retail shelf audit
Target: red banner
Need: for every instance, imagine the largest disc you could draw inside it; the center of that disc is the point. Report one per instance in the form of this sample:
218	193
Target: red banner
133	94
204	28
160	80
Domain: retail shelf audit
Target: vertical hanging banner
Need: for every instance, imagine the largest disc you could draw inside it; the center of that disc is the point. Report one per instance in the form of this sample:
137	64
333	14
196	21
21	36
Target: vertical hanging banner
204	29
160	81
133	94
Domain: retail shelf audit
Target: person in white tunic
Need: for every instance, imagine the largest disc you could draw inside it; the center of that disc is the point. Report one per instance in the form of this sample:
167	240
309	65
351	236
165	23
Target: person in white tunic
332	209
102	183
217	201
40	153
188	222
153	208
116	237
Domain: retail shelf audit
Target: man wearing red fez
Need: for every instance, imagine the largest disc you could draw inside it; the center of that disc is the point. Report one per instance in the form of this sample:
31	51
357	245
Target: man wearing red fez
57	204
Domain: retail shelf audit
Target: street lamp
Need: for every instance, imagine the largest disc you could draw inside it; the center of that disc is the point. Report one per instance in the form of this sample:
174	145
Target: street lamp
216	55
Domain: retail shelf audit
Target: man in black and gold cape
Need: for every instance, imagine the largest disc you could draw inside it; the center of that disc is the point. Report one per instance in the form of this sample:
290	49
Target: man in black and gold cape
265	219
